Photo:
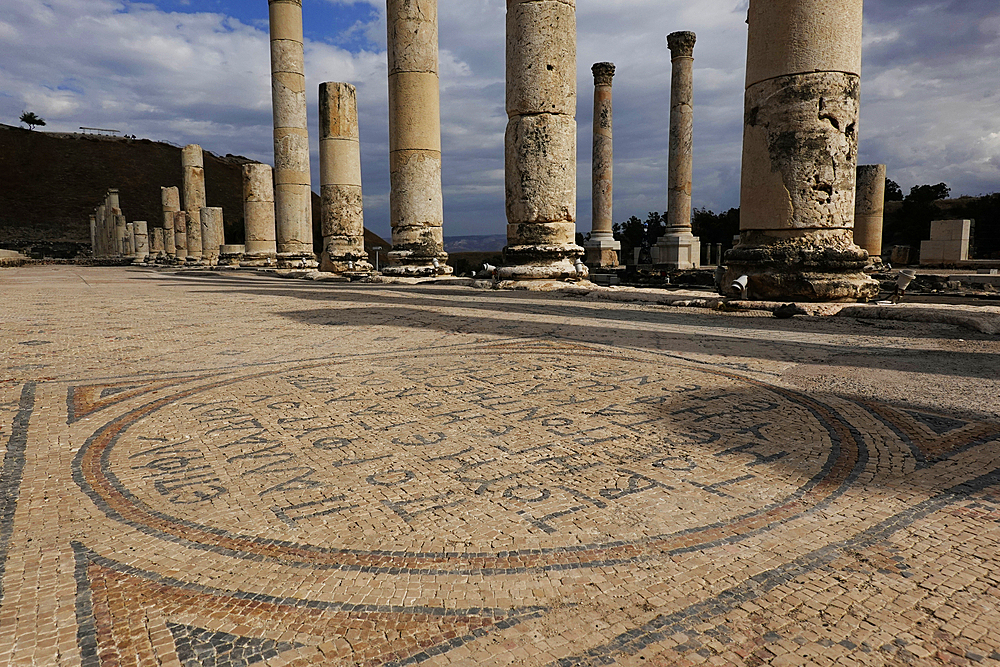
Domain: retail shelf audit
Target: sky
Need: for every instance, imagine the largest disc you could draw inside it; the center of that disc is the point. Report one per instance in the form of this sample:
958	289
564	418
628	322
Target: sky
198	71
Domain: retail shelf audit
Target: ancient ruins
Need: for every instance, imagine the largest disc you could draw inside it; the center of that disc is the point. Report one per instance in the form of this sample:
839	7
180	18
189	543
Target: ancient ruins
601	248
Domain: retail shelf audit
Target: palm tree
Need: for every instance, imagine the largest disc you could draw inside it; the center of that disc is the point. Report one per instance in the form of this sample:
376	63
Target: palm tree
31	119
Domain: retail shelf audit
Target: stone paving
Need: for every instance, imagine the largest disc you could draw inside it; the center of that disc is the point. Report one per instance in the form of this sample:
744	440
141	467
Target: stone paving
235	469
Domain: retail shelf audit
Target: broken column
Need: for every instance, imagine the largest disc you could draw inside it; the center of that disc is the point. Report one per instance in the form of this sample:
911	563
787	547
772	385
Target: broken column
130	240
156	251
180	236
141	229
799	154
193	169
869	206
679	248
171	203
540	143
212	234
293	190
602	248
416	208
258	214
342	215
121	235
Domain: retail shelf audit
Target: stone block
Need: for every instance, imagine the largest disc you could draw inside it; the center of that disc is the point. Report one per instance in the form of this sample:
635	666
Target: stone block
541	48
541	169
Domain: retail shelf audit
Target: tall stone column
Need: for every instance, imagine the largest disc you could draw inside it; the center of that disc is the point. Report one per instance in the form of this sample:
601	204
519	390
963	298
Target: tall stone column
340	177
869	207
129	240
171	203
800	140
102	229
180	236
679	248
193	168
121	232
141	229
258	214
416	208
293	189
540	143
156	251
602	249
212	234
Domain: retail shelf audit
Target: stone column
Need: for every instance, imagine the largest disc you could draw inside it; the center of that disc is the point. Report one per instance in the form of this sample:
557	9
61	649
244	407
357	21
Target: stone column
193	168
540	143
141	229
180	236
416	209
156	251
93	235
293	189
800	140
258	214
121	234
869	206
112	210
340	178
602	249
679	249
171	202
212	234
102	229
130	240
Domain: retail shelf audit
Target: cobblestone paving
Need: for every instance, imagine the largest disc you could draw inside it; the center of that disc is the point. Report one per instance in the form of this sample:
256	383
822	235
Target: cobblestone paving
238	470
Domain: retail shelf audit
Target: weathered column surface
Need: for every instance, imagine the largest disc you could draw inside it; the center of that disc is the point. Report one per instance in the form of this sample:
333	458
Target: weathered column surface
293	189
679	248
93	235
180	235
112	211
340	178
193	168
121	235
258	214
602	248
141	234
102	228
156	251
540	143
171	202
416	208
212	234
869	207
800	141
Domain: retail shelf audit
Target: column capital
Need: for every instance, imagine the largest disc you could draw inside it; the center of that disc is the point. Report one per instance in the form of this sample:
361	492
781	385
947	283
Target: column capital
603	73
681	44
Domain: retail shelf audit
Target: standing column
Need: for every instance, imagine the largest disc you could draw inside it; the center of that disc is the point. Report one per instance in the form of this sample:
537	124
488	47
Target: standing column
180	236
258	214
193	168
156	251
416	208
141	229
602	249
679	249
121	234
212	235
171	202
540	143
340	178
800	141
102	229
129	240
869	206
113	210
293	190
93	235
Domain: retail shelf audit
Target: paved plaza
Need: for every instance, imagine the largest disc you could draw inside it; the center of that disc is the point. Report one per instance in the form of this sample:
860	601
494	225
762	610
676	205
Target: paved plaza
229	469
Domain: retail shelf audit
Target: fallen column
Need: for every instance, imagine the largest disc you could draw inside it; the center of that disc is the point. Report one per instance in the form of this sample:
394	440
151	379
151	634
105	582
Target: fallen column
212	234
193	168
602	248
799	154
869	208
258	215
171	202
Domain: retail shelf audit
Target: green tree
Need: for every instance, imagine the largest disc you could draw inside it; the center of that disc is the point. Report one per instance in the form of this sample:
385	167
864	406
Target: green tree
32	120
912	224
892	190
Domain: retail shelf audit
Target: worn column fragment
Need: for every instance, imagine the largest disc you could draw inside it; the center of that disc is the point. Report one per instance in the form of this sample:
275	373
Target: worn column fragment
540	142
340	177
869	207
416	208
193	168
602	248
141	235
180	235
258	214
212	234
679	248
156	252
800	140
293	189
171	203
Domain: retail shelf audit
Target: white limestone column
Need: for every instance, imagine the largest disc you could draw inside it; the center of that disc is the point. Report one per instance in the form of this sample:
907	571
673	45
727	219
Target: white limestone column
679	248
293	189
212	234
140	230
121	236
258	214
869	208
340	178
193	168
416	207
800	142
171	203
180	236
601	248
540	143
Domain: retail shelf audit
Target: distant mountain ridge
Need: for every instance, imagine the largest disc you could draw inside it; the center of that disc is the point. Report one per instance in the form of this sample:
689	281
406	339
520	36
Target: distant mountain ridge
482	243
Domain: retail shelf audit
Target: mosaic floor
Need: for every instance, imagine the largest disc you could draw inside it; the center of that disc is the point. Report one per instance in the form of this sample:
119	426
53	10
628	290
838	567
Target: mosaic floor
229	471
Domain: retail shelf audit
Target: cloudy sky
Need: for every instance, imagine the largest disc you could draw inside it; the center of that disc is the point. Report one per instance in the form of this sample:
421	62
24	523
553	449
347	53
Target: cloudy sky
197	71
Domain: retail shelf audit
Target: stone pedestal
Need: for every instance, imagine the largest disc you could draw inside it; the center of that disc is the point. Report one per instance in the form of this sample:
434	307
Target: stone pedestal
679	248
171	202
800	153
540	143
180	236
416	209
212	235
601	249
869	207
258	214
231	255
340	178
949	243
156	252
293	190
193	168
141	229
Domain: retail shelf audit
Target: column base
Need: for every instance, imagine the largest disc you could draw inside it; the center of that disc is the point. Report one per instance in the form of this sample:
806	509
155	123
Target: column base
678	250
599	253
296	260
538	262
798	270
406	264
348	264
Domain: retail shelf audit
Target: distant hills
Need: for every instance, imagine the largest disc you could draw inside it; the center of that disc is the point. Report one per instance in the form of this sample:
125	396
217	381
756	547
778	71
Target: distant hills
486	243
